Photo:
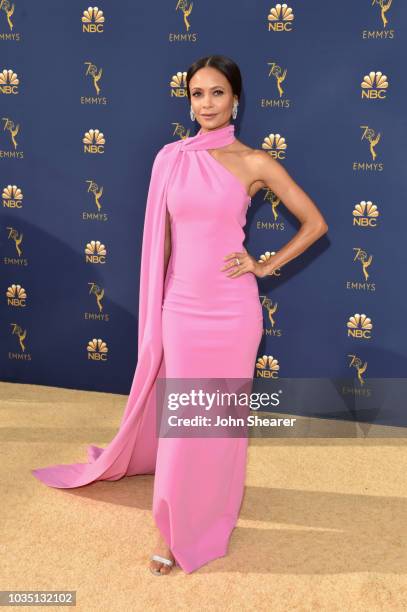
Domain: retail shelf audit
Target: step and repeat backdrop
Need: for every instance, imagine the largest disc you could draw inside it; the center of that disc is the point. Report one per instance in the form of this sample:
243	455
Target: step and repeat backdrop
88	96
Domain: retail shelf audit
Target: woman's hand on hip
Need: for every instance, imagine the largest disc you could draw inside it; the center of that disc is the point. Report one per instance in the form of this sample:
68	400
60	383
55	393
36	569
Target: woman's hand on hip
247	263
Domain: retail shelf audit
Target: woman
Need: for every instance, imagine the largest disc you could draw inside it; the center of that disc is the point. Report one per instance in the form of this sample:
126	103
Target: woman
199	317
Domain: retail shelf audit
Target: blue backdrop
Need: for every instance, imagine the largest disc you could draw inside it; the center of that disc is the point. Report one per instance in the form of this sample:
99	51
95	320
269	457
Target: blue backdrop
69	319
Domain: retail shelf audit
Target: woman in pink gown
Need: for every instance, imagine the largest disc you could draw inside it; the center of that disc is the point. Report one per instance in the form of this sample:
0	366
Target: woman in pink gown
199	317
212	326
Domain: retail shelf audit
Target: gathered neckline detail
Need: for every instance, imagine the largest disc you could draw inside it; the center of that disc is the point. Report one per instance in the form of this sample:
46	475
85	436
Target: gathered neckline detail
212	139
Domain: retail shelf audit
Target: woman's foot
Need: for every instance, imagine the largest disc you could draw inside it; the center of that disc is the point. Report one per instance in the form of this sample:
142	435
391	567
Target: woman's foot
162	549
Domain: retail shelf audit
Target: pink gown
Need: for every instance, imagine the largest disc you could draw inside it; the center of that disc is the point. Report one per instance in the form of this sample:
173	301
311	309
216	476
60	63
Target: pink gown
211	327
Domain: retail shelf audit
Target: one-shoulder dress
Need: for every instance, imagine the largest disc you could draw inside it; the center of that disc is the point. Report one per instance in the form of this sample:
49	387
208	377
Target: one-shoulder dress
194	322
212	326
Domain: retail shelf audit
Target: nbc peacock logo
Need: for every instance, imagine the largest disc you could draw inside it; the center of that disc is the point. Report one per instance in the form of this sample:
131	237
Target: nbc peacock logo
359	326
94	141
365	214
280	18
93	20
12	197
267	366
95	252
97	350
374	86
16	296
178	84
275	145
9	82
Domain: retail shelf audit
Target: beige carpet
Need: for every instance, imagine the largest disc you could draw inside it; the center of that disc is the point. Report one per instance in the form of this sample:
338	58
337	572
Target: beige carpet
323	524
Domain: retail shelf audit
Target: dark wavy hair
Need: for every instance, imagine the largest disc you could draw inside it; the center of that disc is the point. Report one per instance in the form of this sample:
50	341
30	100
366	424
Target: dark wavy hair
222	63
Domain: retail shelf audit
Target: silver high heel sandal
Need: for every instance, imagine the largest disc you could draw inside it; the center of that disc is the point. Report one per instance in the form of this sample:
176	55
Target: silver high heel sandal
161	560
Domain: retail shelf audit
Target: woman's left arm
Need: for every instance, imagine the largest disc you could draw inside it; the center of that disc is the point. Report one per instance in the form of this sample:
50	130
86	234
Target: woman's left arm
313	224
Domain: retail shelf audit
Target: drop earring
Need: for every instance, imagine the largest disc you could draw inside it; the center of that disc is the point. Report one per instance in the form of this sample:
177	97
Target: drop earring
234	111
192	114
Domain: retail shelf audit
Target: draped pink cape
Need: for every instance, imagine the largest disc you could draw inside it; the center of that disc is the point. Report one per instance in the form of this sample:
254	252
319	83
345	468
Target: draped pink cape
133	450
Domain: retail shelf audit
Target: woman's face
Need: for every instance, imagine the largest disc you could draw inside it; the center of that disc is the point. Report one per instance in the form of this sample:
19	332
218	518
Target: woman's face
211	98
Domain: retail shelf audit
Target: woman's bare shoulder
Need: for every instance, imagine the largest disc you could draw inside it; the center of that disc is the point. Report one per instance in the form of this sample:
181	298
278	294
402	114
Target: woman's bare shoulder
257	163
249	152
